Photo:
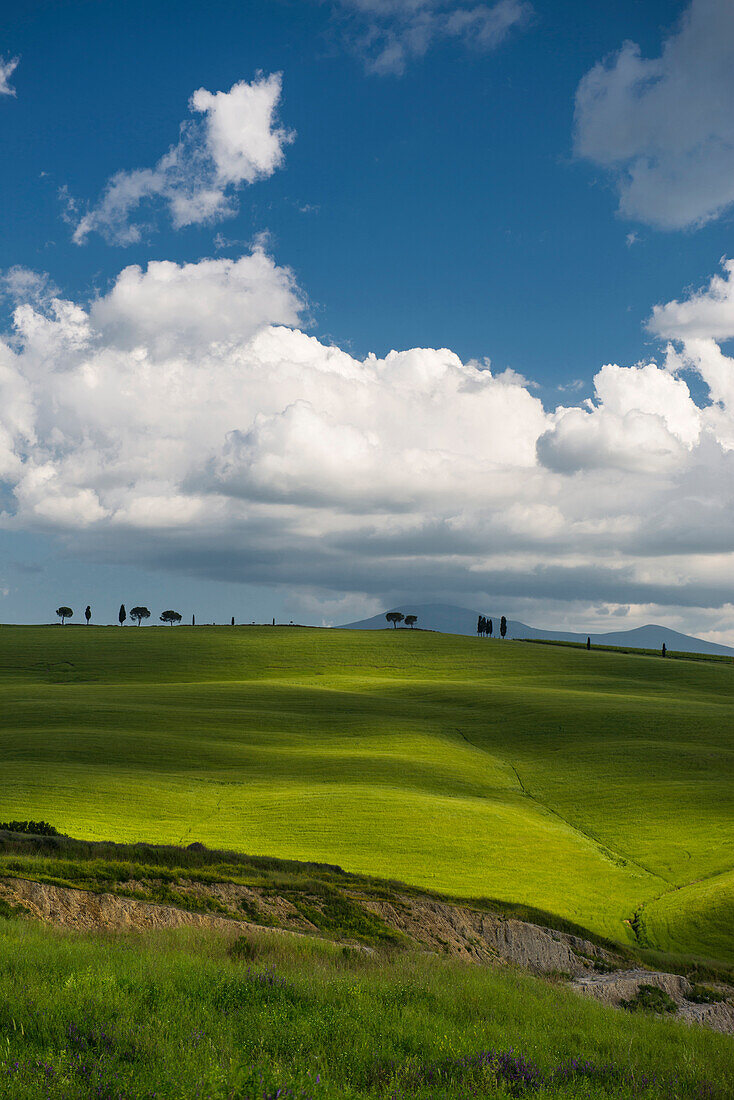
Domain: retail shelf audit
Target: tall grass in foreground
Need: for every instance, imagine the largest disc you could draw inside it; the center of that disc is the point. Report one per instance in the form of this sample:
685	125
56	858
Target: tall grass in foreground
184	1015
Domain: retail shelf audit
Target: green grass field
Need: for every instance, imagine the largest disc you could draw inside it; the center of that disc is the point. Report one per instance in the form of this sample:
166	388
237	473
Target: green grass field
182	1016
594	786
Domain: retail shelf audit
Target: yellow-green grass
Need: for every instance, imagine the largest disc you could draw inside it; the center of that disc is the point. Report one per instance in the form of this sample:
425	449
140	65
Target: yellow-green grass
701	913
585	784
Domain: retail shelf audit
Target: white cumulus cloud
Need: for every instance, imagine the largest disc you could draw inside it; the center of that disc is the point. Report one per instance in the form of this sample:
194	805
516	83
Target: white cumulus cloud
183	420
665	125
643	419
237	142
695	328
705	313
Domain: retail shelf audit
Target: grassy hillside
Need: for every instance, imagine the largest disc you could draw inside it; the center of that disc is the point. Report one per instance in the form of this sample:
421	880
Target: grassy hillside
588	785
191	1015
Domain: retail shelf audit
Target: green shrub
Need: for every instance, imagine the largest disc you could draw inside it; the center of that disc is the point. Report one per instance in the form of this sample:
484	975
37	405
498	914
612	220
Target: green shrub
255	914
650	998
705	995
34	828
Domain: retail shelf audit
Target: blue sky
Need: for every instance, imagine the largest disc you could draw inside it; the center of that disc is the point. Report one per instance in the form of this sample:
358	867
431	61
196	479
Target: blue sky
432	191
448	209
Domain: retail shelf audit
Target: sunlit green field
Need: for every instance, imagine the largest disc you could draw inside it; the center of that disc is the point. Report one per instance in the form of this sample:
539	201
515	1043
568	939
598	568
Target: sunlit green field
584	784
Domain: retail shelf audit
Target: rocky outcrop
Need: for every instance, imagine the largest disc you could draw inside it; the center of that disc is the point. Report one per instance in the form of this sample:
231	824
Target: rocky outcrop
480	936
623	985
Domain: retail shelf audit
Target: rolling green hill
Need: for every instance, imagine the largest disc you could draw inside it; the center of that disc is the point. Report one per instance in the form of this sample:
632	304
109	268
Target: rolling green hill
595	786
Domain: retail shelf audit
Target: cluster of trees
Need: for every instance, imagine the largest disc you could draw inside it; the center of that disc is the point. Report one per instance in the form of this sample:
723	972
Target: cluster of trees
65	613
395	617
485	626
140	613
137	614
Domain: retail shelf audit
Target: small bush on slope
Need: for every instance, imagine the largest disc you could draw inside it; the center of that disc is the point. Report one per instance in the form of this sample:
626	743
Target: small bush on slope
650	998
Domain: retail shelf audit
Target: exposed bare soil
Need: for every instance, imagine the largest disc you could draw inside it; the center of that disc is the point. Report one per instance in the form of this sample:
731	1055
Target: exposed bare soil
456	930
85	911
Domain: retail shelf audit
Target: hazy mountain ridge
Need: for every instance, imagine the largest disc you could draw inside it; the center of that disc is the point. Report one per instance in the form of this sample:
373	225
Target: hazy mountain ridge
448	619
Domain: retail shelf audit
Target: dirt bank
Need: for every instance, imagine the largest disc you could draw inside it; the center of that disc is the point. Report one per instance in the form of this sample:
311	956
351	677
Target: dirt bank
86	912
478	936
459	931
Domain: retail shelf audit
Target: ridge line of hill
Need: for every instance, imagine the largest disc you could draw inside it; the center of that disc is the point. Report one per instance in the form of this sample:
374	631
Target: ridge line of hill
452	619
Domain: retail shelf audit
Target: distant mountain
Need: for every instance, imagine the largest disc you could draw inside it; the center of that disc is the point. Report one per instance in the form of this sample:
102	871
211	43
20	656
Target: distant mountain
447	619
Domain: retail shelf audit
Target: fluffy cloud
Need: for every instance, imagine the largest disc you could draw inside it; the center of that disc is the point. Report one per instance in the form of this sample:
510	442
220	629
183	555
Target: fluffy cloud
237	142
643	419
388	33
707	313
7	68
695	328
665	125
182	420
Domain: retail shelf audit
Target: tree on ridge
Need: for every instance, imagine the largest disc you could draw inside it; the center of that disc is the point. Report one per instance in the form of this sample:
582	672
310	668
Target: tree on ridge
64	613
484	626
394	617
88	614
503	626
410	620
122	614
139	613
170	617
588	643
